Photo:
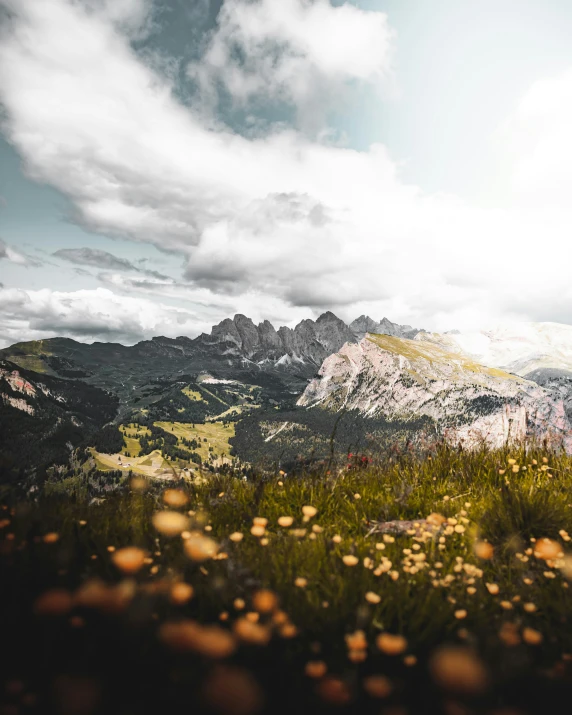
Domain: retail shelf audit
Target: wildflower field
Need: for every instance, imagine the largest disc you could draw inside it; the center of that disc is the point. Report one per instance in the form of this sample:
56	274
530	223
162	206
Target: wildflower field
406	585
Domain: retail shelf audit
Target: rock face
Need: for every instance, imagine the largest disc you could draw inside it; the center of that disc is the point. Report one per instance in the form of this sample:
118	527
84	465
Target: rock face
557	382
309	342
364	324
401	379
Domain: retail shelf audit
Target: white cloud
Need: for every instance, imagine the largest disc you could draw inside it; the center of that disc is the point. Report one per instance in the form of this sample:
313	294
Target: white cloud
273	226
539	140
136	18
212	307
105	315
10	254
299	52
89	315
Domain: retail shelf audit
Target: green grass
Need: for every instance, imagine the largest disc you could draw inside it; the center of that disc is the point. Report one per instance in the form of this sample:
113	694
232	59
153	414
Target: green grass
192	394
133	447
30	362
425	350
216	434
99	463
142	465
508	509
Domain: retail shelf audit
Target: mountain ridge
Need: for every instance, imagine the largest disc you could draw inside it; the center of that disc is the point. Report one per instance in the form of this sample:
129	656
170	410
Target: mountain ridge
293	354
364	324
240	336
401	379
404	382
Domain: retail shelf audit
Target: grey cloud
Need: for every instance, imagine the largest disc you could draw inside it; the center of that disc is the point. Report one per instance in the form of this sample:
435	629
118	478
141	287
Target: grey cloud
94	257
331	291
291	207
539	306
141	283
24	318
101	259
231	274
185	290
95	328
156	274
226	277
176	212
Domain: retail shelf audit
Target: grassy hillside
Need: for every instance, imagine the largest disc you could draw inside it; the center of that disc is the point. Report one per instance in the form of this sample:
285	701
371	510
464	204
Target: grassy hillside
131	433
213	435
193	444
241	610
415	350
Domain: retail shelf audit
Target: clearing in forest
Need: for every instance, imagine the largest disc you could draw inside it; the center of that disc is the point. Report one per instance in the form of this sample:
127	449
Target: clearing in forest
216	435
192	394
131	433
149	465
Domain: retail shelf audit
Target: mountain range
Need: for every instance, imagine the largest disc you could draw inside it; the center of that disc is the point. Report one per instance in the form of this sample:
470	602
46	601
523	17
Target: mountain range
472	387
235	348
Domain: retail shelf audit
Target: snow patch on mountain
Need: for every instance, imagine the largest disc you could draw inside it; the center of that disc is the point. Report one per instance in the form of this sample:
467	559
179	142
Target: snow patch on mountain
288	360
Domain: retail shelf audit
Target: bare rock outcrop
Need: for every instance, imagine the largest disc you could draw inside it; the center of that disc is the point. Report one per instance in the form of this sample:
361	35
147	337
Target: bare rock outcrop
473	405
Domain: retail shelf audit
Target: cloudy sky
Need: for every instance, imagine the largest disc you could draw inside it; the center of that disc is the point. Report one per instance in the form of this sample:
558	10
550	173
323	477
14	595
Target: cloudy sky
164	165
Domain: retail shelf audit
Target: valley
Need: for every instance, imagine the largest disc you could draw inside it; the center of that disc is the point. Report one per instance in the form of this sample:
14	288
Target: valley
248	394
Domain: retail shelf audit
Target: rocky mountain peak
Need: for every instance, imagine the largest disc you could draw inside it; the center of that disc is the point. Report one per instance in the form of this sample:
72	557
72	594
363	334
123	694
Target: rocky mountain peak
310	340
401	379
225	332
240	319
364	324
249	335
328	317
